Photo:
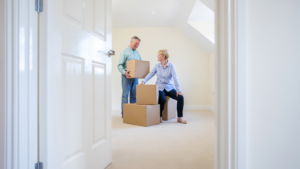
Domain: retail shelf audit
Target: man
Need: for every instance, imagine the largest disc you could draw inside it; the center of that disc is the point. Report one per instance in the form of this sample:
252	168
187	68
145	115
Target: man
128	83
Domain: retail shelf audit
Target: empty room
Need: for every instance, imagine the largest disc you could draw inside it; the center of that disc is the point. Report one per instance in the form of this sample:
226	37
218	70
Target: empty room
185	31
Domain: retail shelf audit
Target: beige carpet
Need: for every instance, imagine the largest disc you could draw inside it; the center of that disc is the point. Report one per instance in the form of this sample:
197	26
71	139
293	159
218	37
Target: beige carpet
170	145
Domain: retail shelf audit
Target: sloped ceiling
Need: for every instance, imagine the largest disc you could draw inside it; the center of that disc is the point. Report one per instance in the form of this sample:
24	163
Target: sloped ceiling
202	19
169	13
191	32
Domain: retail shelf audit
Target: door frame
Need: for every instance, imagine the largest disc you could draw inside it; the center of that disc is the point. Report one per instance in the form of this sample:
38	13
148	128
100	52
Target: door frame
230	79
19	85
2	85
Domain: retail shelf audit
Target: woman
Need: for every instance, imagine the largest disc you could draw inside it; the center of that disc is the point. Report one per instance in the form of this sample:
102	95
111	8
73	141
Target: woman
165	71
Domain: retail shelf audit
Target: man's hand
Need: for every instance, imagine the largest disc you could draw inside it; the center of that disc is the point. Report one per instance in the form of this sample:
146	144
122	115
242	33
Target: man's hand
179	93
127	75
142	83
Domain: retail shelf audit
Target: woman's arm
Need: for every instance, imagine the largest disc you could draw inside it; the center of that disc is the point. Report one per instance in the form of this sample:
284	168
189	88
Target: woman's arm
150	75
175	79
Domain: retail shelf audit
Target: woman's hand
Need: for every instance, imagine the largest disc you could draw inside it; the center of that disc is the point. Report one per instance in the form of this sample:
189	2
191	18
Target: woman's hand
179	93
142	83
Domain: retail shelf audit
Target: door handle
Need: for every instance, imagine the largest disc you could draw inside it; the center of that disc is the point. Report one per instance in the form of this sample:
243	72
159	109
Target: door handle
111	53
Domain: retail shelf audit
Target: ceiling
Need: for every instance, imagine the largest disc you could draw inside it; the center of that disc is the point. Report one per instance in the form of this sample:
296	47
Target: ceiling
169	13
203	20
138	13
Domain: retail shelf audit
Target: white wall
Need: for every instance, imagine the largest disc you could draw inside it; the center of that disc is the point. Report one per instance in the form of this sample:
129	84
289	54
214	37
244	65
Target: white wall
191	62
273	84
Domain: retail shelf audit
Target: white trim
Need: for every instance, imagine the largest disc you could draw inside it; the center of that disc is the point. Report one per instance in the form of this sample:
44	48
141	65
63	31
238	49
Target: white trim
20	82
241	84
186	107
116	107
9	151
2	86
199	107
211	108
230	152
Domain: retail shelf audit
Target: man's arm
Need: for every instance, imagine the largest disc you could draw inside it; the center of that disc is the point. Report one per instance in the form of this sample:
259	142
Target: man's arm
121	63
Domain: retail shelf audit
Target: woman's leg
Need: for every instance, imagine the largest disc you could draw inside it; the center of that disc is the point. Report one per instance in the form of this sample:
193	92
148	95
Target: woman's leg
180	101
161	101
180	104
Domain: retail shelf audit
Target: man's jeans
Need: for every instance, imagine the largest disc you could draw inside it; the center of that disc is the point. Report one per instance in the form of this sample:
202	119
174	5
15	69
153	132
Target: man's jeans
128	85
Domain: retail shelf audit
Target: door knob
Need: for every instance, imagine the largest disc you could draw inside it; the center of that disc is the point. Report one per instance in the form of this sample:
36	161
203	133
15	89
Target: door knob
111	52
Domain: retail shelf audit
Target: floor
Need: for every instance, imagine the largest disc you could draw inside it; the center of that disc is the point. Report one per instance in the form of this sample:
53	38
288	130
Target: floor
169	145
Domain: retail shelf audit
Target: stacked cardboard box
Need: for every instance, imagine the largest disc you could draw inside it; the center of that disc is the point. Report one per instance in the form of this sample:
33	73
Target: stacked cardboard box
142	115
146	110
147	94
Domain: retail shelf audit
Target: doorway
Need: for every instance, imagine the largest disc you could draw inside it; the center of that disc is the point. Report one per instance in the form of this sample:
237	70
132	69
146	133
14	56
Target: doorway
165	28
230	154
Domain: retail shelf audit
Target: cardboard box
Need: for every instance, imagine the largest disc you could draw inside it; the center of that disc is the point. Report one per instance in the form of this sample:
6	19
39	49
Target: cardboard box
142	115
138	68
170	110
147	94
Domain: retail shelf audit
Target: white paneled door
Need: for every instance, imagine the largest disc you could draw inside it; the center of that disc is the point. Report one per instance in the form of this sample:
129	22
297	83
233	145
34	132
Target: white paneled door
75	73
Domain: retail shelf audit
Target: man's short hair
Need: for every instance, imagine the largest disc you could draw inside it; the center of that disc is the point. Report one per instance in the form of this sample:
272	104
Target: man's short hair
135	37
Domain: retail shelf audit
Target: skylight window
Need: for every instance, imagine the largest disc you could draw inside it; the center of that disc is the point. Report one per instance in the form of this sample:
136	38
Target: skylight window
203	20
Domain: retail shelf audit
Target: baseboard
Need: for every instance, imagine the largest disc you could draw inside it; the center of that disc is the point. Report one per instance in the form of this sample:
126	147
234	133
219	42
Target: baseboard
186	107
116	107
199	107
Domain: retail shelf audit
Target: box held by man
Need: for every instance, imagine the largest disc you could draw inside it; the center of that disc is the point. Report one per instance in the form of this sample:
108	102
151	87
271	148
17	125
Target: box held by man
138	68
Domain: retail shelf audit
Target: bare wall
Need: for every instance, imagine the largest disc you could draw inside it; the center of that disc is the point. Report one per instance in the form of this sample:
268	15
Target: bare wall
273	84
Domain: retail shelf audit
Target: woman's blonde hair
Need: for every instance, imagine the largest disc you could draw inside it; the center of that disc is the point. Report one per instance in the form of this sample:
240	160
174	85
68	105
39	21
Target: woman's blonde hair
165	53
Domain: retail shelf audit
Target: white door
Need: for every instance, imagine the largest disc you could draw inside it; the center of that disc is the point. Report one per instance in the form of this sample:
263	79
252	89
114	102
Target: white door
75	73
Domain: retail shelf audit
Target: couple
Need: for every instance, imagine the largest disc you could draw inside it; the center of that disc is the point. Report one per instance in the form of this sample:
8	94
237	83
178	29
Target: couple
164	71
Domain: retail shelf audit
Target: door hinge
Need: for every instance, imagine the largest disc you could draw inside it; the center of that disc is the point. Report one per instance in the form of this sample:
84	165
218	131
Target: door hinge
39	6
39	165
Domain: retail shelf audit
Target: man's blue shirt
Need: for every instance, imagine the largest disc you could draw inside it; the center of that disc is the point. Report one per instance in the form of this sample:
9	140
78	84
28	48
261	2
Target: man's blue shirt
127	54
